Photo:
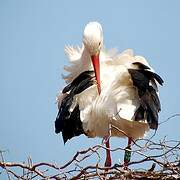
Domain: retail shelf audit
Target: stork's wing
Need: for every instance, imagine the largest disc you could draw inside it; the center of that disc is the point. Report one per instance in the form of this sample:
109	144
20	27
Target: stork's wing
74	55
149	101
68	119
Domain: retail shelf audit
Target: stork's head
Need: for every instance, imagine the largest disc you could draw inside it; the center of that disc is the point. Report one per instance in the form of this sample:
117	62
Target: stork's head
93	38
93	42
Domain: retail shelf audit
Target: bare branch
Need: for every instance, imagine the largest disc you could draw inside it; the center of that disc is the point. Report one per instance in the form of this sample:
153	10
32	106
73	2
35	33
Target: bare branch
161	158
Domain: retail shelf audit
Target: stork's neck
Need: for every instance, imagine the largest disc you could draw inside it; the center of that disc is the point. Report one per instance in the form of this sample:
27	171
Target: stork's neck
86	60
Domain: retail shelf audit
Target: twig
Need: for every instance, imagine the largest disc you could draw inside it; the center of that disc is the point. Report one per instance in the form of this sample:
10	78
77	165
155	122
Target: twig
165	155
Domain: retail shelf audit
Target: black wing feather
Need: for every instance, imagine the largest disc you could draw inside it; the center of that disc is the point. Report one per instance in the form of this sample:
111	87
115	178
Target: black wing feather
68	122
152	75
140	65
87	75
149	100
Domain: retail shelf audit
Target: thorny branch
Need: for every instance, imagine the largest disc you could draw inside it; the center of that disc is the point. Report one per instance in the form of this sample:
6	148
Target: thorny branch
162	159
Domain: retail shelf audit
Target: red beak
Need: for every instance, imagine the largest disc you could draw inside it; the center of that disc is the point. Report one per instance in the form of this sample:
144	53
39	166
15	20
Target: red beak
96	65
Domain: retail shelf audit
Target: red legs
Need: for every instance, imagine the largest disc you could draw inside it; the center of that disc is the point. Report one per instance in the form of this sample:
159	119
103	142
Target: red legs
127	154
108	161
108	154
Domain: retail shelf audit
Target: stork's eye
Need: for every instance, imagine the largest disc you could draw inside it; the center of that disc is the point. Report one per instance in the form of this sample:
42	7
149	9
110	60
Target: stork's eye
99	43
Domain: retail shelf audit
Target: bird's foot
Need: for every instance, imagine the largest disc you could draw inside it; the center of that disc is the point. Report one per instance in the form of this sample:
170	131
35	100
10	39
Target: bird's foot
125	166
108	162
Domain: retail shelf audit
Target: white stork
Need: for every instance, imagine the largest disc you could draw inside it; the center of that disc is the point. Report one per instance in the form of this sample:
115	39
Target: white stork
108	94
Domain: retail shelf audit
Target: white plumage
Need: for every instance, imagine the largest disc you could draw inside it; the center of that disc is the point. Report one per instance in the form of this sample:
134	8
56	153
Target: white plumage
118	100
124	96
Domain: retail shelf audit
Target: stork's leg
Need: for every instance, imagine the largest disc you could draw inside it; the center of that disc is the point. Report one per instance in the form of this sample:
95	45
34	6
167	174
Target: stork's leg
127	155
108	153
108	161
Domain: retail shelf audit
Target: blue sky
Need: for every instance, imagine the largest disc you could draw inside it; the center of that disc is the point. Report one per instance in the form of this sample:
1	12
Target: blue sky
32	39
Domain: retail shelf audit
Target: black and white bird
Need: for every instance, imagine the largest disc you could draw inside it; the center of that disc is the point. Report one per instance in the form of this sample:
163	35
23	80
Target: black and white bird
107	93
